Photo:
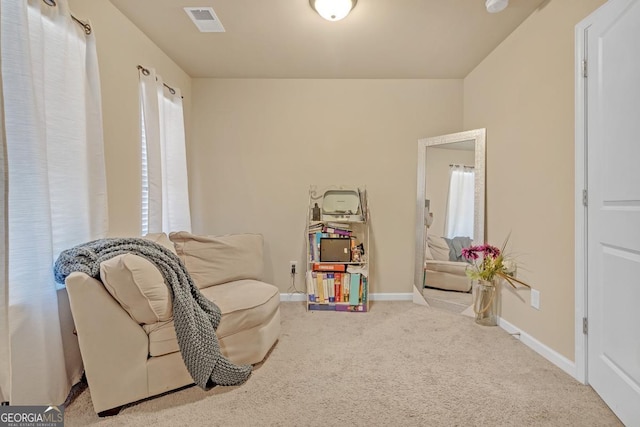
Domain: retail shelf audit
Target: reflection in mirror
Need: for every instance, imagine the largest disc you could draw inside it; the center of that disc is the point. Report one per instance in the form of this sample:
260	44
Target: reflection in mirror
449	211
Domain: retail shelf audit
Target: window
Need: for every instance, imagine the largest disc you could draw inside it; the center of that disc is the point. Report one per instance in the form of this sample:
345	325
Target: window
165	188
145	176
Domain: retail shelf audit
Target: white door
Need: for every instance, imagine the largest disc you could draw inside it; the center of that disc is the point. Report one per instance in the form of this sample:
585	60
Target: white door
613	213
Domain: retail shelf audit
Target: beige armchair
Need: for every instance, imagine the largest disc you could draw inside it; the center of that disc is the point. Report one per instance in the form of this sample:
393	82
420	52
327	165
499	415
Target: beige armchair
125	322
439	272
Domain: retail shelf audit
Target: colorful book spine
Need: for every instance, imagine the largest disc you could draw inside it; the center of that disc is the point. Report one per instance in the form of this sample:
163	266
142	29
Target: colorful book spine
346	307
320	287
338	225
310	291
325	287
329	267
330	287
346	283
338	232
354	289
316	227
365	289
338	286
312	247
316	247
323	307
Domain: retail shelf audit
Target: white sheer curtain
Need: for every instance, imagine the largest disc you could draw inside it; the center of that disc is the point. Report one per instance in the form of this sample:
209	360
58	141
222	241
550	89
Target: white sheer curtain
165	192
55	182
459	217
5	367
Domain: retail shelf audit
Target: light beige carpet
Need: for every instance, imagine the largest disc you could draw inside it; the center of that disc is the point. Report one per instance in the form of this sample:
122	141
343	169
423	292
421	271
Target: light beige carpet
399	365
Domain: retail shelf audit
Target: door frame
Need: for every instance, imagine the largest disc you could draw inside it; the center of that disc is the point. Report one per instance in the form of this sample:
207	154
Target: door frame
580	244
581	185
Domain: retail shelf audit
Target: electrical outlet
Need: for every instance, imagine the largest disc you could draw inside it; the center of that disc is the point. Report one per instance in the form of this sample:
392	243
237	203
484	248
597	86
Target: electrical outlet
293	267
535	299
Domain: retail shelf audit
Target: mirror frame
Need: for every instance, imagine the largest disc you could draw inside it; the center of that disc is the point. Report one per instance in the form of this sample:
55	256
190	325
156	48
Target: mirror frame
479	138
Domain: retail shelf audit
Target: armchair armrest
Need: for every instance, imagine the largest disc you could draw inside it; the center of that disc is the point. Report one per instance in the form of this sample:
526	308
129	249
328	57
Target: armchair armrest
114	347
452	267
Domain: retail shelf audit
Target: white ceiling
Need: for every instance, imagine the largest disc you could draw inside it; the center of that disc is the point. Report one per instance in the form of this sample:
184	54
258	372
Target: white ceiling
287	39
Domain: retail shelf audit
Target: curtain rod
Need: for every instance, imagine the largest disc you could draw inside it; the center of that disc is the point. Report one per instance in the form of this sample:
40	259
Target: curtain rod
465	166
85	26
146	73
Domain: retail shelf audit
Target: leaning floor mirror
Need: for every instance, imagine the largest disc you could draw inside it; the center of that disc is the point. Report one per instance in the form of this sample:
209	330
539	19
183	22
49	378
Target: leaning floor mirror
450	209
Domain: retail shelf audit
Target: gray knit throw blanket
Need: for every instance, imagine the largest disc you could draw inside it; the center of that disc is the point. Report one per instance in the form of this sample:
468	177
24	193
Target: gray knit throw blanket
195	317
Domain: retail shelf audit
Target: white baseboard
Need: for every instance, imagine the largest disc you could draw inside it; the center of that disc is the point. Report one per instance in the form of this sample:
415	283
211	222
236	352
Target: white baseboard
291	297
551	355
392	296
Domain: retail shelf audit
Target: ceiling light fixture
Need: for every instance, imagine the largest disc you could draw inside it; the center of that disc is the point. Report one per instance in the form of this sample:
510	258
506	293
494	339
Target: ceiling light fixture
333	10
495	6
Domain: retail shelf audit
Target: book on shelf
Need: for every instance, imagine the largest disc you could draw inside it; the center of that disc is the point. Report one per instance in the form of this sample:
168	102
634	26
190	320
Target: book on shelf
317	227
325	288
354	289
365	289
346	307
325	307
337	232
329	267
338	307
314	244
346	283
338	225
311	294
320	288
330	286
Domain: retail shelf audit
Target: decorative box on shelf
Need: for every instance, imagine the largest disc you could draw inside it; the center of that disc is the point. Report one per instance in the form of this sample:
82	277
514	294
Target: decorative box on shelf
338	258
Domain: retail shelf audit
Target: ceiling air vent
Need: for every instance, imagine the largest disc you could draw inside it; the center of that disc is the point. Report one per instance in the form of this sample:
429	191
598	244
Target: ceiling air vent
205	19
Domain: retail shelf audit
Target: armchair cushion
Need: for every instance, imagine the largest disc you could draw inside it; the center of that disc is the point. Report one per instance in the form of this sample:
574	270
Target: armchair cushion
161	239
438	248
212	260
139	288
245	304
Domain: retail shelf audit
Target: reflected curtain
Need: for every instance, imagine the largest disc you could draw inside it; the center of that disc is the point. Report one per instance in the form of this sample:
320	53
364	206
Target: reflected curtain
165	192
56	191
460	202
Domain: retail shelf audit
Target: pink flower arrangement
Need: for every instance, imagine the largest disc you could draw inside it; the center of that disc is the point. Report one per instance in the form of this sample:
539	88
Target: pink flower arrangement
473	252
487	262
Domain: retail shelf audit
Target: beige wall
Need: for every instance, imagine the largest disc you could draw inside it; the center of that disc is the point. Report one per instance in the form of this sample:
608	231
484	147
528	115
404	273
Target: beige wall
121	47
523	93
257	145
437	180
